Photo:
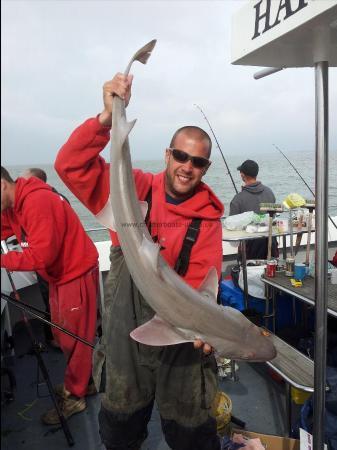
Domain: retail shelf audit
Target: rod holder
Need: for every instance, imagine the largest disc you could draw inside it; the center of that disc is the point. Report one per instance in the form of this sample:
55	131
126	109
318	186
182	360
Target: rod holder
266	72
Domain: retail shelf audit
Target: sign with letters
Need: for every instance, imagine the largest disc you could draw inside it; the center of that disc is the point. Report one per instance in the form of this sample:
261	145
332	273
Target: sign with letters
285	33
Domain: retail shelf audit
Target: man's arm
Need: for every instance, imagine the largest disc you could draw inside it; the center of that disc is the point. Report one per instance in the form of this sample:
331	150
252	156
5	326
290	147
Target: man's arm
45	233
79	164
6	229
234	207
81	167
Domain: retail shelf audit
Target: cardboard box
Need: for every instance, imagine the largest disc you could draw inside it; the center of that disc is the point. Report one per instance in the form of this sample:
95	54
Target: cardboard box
272	442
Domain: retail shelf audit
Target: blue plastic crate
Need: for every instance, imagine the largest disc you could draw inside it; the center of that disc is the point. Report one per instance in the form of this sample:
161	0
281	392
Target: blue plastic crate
230	295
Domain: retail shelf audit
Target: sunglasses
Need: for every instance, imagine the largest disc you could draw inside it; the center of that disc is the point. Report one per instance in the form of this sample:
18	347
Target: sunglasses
182	157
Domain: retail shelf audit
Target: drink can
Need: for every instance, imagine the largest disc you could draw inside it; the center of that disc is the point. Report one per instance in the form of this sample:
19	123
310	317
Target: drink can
282	225
271	268
290	266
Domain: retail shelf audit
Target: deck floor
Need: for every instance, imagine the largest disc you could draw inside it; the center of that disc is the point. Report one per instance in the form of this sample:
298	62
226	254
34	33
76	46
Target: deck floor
257	399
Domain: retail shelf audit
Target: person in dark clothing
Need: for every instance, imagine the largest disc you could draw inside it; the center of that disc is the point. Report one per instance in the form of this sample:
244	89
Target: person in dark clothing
43	284
253	193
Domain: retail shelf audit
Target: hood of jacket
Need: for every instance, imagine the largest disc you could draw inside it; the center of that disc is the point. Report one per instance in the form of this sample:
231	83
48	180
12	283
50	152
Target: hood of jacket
24	187
255	188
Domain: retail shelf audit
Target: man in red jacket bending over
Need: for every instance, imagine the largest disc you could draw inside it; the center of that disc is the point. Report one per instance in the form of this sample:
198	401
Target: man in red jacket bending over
181	378
56	246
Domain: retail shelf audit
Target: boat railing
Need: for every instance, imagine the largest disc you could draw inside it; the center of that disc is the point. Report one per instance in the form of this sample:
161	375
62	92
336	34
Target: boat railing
91	230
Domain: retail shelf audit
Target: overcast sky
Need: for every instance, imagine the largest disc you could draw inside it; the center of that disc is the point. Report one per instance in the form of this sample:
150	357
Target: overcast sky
56	55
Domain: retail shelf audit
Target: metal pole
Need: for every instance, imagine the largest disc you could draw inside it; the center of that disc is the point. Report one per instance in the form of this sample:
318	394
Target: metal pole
265	72
291	228
284	247
321	249
244	273
307	254
288	409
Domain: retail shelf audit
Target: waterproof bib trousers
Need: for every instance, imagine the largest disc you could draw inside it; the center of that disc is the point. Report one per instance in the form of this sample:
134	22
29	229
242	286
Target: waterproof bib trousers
131	376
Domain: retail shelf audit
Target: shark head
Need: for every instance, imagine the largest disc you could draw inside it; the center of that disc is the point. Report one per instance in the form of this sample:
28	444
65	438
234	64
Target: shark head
258	345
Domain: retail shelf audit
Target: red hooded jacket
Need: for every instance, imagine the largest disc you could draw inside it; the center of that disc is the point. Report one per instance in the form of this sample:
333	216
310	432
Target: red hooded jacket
86	174
51	235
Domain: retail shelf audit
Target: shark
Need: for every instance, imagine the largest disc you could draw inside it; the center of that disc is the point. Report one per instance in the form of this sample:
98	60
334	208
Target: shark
182	313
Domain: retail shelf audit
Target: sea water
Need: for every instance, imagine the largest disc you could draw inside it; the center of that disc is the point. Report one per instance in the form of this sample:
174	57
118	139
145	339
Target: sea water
275	172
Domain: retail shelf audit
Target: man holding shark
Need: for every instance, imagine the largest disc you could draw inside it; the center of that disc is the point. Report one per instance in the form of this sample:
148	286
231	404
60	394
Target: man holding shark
181	378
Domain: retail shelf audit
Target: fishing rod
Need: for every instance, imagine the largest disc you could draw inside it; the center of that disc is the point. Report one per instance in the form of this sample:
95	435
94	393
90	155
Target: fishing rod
292	165
218	145
26	305
32	311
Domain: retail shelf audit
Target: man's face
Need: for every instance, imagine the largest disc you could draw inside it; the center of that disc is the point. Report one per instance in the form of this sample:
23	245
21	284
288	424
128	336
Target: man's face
5	200
182	178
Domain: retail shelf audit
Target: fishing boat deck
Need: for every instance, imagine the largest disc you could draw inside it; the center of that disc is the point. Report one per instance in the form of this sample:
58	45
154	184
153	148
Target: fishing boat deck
257	400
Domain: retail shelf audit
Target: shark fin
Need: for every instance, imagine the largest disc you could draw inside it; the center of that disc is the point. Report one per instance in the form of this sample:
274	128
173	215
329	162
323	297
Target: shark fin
105	217
210	285
121	129
124	128
150	251
130	125
157	332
